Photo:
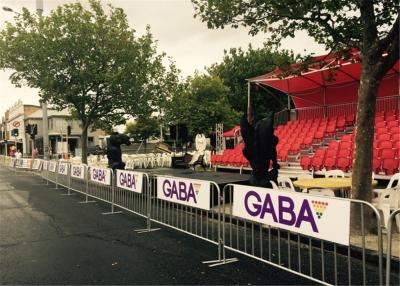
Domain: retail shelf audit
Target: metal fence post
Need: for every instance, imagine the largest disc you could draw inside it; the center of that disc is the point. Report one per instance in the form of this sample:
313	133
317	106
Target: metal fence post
148	203
389	245
68	182
221	231
113	186
86	201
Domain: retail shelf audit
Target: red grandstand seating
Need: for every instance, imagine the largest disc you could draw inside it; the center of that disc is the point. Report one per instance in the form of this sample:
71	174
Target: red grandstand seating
344	153
390	166
390	117
376	165
305	162
346	145
347	138
317	162
330	163
334	145
350	119
381	130
393	123
384	144
380	124
344	163
383	137
387	153
394	130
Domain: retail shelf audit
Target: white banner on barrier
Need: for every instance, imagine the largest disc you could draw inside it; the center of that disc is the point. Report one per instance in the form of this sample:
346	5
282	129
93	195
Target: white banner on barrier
130	180
36	164
63	168
23	163
321	217
100	175
45	165
78	171
194	193
52	166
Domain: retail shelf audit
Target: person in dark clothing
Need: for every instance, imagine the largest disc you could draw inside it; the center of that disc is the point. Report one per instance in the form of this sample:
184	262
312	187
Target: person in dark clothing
114	153
260	149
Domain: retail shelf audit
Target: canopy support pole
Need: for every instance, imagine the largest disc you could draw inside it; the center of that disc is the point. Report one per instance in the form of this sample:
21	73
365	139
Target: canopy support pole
325	111
249	107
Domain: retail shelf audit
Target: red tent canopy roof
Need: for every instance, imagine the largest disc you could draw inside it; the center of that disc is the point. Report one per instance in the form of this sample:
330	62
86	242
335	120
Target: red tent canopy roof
328	79
231	133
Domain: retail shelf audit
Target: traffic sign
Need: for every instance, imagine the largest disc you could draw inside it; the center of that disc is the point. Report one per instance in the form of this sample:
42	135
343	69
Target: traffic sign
16	124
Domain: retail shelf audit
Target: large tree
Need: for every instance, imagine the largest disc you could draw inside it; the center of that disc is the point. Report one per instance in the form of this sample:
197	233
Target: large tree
87	60
200	103
238	65
370	26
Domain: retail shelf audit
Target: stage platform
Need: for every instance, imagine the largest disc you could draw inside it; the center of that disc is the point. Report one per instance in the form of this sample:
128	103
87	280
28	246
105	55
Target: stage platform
220	178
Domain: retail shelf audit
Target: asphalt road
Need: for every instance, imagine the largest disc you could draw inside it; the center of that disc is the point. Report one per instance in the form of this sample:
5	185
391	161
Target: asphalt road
46	238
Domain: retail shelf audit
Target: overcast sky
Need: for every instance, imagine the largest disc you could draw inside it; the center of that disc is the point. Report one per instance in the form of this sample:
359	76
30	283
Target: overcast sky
187	40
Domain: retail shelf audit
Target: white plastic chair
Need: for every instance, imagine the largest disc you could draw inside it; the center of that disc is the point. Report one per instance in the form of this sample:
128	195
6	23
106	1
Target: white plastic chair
334	174
388	201
286	184
274	186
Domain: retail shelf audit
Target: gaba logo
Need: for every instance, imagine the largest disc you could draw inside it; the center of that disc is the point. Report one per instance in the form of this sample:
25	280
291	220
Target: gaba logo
319	208
181	190
99	175
128	180
283	213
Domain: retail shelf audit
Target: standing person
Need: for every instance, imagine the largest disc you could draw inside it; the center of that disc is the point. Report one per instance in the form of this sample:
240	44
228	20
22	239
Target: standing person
35	152
18	154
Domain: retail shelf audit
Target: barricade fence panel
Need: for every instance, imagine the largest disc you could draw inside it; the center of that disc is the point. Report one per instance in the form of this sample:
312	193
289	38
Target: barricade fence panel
78	178
174	203
393	244
315	258
303	234
132	191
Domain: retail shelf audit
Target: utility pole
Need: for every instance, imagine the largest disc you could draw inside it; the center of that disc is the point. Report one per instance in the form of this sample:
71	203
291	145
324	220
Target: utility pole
39	11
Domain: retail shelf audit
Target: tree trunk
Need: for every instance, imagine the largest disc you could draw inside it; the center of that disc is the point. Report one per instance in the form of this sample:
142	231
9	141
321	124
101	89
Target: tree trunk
362	167
84	143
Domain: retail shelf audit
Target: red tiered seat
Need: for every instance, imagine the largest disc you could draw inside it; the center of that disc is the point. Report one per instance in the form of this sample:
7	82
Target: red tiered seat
347	138
383	137
330	163
380	124
344	163
344	153
350	119
390	166
346	145
387	153
334	145
316	163
385	144
215	159
392	123
305	162
376	165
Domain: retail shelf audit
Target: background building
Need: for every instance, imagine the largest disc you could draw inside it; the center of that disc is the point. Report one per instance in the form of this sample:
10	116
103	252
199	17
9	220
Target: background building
64	132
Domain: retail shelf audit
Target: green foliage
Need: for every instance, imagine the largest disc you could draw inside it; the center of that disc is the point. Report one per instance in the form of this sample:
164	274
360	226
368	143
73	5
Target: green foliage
333	23
90	61
239	65
143	128
201	103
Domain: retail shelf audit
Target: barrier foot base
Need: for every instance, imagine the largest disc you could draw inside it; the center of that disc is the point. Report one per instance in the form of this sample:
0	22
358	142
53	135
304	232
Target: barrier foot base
213	263
145	230
70	194
110	213
86	202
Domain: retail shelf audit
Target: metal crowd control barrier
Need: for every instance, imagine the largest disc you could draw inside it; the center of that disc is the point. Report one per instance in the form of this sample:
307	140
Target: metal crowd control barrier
319	260
203	223
392	219
167	201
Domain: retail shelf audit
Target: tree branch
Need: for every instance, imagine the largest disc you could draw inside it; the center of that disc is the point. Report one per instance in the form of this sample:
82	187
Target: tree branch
370	32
